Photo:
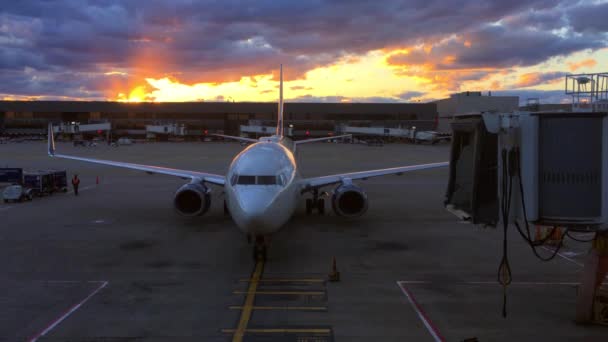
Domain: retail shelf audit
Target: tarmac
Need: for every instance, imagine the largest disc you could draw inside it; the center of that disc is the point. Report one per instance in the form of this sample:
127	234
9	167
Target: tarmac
117	263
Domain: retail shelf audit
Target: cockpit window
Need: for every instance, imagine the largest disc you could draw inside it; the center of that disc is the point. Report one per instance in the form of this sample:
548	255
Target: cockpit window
257	180
246	180
281	179
267	180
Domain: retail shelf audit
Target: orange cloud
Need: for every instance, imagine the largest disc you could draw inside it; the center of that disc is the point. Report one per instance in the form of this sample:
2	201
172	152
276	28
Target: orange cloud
587	63
536	78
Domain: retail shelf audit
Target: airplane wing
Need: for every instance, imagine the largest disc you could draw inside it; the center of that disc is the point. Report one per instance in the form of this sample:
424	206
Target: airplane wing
206	177
298	142
317	182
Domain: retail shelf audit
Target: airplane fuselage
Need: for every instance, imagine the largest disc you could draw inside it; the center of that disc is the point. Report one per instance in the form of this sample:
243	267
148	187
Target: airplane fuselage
262	186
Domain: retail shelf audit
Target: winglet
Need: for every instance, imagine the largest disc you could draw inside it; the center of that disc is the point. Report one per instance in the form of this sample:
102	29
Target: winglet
51	141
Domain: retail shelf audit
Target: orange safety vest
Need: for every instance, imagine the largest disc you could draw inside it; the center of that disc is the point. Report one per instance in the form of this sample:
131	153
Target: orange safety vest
75	181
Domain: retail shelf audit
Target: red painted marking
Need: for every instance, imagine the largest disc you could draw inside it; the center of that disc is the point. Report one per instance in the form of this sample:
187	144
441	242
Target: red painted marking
66	314
421	314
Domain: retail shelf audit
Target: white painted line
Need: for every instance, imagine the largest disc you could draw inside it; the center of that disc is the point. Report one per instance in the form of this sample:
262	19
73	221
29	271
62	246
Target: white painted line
571	254
494	282
423	317
61	318
5	208
563	256
521	283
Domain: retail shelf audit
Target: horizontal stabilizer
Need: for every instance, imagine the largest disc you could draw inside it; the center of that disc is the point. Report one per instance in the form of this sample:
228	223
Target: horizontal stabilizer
322	139
235	138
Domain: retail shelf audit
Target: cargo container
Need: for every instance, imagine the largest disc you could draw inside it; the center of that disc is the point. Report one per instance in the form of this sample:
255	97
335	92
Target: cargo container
41	182
11	175
60	180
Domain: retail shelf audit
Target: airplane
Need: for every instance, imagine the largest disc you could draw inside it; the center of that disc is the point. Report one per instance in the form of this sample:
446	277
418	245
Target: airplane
263	184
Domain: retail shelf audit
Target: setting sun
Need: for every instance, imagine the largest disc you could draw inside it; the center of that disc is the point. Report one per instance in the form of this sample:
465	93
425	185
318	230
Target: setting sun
138	94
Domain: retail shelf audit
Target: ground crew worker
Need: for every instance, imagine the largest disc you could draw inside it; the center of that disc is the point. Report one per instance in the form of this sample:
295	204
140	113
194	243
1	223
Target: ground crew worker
75	184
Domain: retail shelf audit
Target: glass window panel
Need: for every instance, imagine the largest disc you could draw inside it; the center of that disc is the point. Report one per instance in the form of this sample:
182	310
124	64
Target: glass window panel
246	180
267	180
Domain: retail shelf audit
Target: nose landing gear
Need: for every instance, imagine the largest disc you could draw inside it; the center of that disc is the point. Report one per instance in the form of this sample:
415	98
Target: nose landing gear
260	248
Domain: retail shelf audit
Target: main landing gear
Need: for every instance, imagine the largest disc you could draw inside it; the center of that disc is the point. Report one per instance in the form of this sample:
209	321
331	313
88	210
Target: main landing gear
315	203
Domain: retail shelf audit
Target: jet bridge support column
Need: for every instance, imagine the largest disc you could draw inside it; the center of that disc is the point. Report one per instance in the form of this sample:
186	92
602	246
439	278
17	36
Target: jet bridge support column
594	273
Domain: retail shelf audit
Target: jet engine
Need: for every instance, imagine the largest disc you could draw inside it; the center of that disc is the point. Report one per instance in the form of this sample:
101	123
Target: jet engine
349	200
192	199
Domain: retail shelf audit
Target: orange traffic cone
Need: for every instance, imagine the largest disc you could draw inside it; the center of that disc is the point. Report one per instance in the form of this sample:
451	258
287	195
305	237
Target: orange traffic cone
557	237
538	235
97	180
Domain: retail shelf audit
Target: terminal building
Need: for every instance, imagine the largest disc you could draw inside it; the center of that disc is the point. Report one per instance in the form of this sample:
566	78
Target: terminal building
314	119
469	102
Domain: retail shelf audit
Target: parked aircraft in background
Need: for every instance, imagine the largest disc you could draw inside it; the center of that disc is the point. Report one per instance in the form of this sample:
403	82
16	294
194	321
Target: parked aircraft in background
263	185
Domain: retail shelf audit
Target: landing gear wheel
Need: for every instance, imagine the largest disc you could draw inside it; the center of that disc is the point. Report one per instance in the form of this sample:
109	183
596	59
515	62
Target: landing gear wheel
321	206
259	252
308	206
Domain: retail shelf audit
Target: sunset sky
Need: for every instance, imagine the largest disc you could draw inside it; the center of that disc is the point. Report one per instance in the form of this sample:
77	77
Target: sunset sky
332	51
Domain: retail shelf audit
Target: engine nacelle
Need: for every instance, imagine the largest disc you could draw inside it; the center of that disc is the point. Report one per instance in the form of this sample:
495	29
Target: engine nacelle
192	199
349	200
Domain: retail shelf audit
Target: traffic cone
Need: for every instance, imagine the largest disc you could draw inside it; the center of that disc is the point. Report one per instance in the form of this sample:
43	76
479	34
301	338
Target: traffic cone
538	235
557	237
334	275
97	181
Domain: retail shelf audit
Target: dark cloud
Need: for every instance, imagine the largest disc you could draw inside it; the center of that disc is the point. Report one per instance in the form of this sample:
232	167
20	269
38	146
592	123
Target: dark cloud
589	18
215	41
496	46
408	95
544	20
31	82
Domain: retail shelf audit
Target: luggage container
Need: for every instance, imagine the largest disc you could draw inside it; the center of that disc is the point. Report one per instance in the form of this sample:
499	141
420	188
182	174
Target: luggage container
60	180
40	182
11	175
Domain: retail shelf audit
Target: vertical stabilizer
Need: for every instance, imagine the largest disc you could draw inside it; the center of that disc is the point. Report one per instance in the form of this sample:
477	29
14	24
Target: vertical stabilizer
280	111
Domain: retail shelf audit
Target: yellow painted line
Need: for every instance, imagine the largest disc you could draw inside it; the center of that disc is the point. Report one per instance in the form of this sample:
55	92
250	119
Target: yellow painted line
248	306
300	293
277	280
280	331
302	308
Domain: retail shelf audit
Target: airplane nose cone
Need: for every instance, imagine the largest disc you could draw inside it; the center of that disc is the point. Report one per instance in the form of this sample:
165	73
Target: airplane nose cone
255	205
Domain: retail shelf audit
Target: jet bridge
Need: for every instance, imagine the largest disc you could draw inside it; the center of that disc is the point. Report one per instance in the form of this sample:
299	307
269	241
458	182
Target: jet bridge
411	134
77	128
523	169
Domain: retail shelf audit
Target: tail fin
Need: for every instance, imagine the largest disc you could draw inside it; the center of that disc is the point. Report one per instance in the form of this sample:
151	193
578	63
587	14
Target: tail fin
280	111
